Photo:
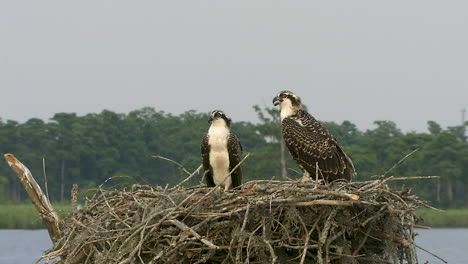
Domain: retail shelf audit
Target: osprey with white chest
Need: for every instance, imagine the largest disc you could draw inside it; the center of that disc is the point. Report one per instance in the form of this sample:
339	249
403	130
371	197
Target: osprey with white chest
310	144
221	152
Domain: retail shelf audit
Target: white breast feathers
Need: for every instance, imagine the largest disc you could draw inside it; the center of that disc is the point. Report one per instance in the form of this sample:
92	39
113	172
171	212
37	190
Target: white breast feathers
218	135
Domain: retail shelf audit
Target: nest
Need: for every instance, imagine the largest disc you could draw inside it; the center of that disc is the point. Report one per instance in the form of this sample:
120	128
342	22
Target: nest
263	222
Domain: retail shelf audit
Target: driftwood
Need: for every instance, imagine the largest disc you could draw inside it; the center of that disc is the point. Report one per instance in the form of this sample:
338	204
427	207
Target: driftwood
263	222
40	201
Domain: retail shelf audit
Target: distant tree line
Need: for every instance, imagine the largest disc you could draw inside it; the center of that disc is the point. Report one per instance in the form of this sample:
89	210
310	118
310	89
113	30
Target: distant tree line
90	149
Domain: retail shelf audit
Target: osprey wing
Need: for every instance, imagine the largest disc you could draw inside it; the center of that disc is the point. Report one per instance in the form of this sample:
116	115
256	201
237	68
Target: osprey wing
311	144
235	156
205	152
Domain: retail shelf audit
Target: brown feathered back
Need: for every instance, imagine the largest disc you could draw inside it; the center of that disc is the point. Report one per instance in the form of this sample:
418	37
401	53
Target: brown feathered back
310	143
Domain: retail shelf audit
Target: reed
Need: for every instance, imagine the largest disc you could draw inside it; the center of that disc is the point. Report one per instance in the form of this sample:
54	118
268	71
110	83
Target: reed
448	218
25	216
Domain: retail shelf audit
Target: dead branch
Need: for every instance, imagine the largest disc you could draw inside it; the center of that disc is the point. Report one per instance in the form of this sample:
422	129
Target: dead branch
434	255
399	162
38	198
190	176
186	229
173	161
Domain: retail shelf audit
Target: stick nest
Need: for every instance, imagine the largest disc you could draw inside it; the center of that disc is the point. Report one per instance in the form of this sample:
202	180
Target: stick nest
263	222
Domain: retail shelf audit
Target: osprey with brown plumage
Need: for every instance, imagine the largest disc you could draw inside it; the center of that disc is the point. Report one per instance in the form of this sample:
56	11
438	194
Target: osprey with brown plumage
309	142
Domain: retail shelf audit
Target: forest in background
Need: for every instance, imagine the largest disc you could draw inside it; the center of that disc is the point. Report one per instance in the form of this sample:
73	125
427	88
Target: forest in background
90	149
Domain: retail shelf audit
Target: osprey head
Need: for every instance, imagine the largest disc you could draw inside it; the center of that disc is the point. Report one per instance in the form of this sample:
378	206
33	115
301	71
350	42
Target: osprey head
289	103
219	116
287	97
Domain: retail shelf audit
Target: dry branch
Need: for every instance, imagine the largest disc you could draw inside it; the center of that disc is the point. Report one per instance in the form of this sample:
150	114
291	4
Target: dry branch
38	198
399	162
173	161
185	228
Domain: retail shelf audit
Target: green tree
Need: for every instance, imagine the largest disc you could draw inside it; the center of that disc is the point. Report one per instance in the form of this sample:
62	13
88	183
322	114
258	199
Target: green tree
90	149
270	129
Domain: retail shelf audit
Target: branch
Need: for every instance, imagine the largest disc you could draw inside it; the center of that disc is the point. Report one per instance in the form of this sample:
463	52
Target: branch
274	258
235	167
323	202
187	229
38	198
306	245
189	177
413	178
398	163
427	251
173	161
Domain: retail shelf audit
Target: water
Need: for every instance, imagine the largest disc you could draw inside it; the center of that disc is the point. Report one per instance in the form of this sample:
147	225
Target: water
26	246
23	246
449	243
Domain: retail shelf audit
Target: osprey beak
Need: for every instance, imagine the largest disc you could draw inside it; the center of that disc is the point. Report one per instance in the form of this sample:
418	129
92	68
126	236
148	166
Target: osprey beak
276	101
211	119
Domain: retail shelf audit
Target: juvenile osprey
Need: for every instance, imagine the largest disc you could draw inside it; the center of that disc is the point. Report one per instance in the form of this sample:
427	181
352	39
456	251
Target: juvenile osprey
221	152
310	143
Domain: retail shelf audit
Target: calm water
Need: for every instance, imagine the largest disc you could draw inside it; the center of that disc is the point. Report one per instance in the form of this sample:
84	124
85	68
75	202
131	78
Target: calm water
26	246
449	243
23	246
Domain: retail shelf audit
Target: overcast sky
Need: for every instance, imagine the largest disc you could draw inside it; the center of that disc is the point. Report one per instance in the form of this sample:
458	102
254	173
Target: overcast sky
362	61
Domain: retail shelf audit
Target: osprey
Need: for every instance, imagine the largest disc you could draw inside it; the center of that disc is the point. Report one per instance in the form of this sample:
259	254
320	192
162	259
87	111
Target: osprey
309	142
221	152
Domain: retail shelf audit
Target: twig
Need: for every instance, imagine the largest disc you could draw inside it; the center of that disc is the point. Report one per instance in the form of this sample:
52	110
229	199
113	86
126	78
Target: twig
203	177
323	202
274	258
173	161
189	177
323	236
240	240
250	240
306	245
293	170
235	167
413	178
338	193
433	208
422	227
246	217
45	177
434	255
185	228
399	162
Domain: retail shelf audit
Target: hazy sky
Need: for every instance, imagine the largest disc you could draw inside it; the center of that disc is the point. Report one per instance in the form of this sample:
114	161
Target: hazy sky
405	61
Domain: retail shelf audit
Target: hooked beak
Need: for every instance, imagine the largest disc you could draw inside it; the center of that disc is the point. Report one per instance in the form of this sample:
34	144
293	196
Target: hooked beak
276	101
211	119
